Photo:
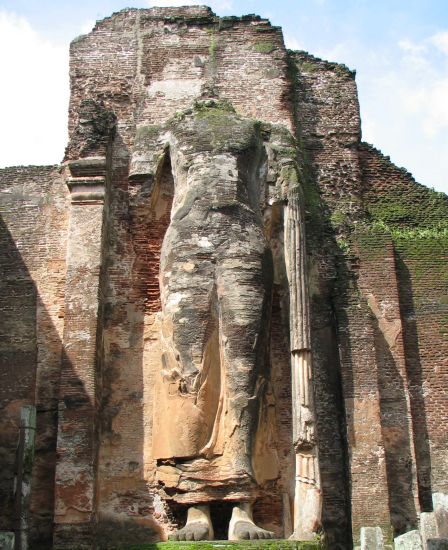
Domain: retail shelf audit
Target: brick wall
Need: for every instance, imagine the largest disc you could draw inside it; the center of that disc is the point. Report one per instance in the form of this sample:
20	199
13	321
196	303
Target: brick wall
33	248
416	218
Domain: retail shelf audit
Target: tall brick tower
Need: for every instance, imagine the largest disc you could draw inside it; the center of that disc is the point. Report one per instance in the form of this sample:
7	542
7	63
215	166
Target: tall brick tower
81	344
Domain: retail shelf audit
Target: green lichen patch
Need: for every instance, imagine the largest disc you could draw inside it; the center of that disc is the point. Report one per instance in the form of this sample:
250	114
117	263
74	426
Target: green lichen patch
308	63
413	206
212	49
214	126
307	67
262	29
338	218
313	203
344	245
428	253
371	241
145	136
147	131
203	108
264	47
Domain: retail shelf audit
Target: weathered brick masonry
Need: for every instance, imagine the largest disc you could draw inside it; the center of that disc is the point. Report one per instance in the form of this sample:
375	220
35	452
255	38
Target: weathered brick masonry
80	301
35	214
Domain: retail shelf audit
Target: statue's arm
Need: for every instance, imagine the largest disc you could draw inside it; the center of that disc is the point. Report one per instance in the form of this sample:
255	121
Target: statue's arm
148	155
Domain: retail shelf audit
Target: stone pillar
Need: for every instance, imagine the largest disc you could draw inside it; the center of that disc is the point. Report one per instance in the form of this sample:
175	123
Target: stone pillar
371	538
308	497
24	466
77	436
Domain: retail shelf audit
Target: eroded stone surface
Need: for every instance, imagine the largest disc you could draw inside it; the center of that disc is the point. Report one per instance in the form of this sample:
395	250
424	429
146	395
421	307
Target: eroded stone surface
7	540
440	503
409	541
372	538
428	527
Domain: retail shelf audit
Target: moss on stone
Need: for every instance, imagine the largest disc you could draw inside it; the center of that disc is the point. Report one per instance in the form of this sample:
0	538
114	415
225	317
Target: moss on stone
290	174
412	207
338	218
307	67
146	135
217	126
312	199
264	47
212	49
262	29
371	241
147	131
203	108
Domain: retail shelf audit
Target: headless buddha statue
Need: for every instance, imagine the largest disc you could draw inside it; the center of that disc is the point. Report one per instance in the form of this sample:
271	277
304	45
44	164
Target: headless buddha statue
216	282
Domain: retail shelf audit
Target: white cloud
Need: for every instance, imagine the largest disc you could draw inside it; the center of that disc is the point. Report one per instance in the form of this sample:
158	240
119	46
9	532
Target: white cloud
440	41
405	109
292	43
87	26
408	46
33	95
424	90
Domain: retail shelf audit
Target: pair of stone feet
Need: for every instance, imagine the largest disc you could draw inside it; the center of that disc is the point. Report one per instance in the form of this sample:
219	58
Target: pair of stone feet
241	527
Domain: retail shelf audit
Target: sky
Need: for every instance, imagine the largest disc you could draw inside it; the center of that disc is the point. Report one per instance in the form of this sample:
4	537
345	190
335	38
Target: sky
399	49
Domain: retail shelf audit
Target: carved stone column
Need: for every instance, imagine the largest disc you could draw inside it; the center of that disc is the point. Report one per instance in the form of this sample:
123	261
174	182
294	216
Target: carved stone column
24	465
308	499
76	444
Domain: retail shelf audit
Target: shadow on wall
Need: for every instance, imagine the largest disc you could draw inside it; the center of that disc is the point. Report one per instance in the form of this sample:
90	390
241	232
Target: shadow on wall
340	300
395	430
18	360
127	509
19	336
415	377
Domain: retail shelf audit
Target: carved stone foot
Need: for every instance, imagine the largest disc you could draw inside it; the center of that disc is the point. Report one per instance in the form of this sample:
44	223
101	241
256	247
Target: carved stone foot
198	526
242	526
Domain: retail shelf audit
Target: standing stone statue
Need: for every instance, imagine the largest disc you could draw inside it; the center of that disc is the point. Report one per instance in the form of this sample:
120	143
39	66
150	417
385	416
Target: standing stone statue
213	414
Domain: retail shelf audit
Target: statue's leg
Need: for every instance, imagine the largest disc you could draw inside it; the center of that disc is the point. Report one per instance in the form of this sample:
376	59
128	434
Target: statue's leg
244	283
242	526
198	526
189	321
244	297
187	286
190	377
189	295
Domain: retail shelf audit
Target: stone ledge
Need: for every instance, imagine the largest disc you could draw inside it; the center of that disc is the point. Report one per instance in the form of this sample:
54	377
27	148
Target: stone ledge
275	544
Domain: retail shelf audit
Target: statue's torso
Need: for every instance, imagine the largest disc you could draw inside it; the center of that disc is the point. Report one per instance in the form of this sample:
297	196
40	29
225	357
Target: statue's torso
216	171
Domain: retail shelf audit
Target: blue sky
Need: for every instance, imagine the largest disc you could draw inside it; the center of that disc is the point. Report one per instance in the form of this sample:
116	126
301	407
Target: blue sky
399	49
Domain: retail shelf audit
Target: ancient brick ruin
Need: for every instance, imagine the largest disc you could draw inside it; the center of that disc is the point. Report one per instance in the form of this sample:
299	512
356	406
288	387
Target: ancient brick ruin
80	302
